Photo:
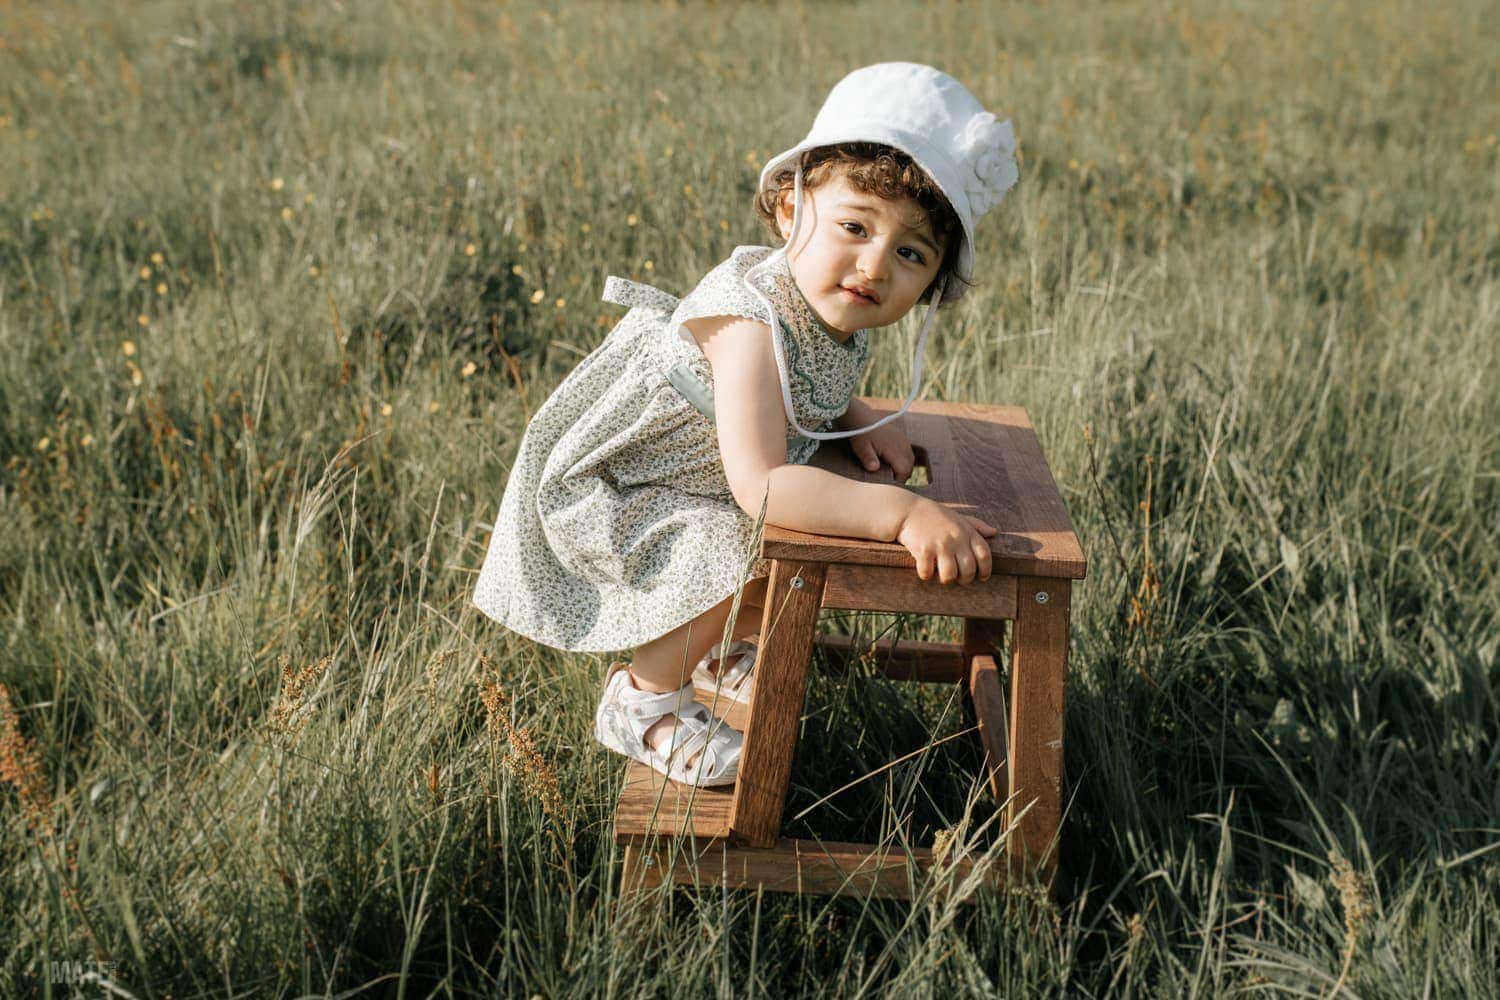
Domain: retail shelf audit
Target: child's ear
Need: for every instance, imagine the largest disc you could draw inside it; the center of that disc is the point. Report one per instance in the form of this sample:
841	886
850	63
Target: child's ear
784	213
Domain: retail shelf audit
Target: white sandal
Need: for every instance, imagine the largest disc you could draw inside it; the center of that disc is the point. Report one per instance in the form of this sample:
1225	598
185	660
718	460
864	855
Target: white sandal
729	692
626	712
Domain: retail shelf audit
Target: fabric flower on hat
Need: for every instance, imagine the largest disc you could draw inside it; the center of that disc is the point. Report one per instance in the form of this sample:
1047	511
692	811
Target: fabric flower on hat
989	147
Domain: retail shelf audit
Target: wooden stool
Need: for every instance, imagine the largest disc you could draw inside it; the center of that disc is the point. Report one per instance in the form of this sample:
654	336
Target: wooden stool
981	460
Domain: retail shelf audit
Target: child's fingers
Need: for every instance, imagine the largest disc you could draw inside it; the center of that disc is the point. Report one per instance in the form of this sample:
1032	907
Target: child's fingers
984	527
902	460
866	454
984	563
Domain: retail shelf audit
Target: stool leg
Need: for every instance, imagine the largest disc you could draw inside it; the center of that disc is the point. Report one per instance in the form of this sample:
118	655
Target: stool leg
983	638
637	874
794	594
1039	660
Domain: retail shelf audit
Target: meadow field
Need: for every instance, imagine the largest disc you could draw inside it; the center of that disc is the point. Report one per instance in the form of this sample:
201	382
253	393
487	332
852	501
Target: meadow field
281	283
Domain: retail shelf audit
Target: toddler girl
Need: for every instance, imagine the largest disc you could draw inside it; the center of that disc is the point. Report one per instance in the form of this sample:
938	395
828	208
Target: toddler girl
639	481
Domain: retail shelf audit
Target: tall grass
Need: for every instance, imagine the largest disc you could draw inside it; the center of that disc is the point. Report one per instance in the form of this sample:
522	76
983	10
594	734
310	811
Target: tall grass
280	285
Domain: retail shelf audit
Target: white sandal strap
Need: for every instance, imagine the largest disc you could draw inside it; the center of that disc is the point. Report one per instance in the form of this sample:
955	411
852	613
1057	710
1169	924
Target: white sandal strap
647	707
738	646
730	676
698	740
690	736
741	667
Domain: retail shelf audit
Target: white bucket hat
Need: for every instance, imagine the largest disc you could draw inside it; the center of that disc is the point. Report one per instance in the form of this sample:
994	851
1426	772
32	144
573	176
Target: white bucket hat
931	117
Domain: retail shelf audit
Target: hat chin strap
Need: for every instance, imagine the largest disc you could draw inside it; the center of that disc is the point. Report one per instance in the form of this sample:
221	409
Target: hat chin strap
779	344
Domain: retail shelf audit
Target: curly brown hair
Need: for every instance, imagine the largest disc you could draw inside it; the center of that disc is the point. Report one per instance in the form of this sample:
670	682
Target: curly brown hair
878	169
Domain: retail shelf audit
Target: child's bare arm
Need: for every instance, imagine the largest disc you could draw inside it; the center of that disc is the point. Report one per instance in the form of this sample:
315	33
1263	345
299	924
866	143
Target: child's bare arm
752	442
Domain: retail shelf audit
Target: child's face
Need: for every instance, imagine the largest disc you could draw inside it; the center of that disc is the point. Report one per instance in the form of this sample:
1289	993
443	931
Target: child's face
861	261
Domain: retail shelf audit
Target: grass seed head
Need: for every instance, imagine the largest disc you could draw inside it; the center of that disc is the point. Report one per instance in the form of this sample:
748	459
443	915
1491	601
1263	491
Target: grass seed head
1354	897
522	758
21	768
287	719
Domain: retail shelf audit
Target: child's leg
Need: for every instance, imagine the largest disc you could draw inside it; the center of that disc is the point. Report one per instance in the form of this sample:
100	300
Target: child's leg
666	663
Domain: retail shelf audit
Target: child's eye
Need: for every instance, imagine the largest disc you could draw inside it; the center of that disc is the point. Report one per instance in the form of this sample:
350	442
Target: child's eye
853	227
916	255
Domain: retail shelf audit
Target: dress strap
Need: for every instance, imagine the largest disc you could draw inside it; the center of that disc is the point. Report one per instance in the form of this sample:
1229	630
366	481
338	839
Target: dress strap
692	389
627	293
624	292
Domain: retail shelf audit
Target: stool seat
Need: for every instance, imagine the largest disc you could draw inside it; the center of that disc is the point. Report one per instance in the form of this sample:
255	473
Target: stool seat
984	461
980	460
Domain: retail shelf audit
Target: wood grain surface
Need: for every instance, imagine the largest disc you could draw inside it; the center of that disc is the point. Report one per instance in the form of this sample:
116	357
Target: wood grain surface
900	659
899	589
984	640
650	803
1038	669
982	460
820	866
789	623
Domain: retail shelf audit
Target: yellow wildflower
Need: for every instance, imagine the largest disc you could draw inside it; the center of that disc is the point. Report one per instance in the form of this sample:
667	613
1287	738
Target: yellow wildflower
161	288
537	296
631	219
128	348
433	407
385	409
470	250
287	213
143	319
158	259
469	369
145	274
277	184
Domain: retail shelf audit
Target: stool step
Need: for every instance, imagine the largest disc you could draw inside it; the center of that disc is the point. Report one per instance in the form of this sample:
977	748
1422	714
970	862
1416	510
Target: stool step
821	866
651	804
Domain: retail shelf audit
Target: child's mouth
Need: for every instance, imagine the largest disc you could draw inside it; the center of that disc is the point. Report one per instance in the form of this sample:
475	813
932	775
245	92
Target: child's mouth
856	296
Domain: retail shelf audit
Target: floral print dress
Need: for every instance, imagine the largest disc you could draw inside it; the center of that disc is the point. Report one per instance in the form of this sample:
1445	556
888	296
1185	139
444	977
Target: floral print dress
617	523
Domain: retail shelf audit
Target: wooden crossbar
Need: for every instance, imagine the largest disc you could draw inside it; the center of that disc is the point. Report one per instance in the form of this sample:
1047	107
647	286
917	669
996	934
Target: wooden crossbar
821	866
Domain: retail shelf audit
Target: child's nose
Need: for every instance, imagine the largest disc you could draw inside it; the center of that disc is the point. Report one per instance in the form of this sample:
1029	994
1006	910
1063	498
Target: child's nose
873	263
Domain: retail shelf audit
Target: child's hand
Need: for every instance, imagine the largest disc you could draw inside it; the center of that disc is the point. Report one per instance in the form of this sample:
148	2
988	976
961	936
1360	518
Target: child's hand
950	544
889	443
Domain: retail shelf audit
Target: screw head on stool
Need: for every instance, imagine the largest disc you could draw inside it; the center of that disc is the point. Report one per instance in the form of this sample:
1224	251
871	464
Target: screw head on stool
1042	597
797	583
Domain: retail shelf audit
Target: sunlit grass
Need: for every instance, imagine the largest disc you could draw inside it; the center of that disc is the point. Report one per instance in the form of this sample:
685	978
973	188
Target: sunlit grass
280	286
